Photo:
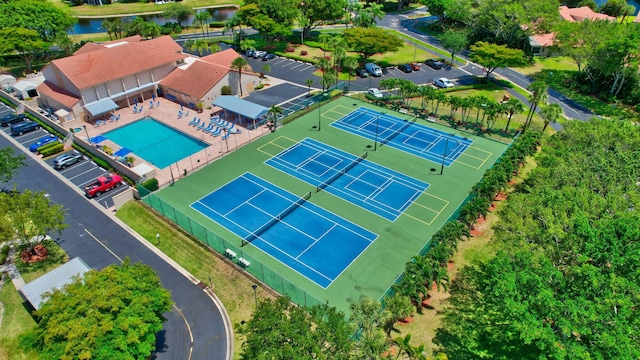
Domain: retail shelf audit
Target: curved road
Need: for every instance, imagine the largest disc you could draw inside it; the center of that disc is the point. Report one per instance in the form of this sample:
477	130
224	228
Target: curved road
196	328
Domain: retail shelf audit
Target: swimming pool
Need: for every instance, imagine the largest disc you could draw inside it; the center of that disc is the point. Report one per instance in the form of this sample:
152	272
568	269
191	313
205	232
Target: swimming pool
155	142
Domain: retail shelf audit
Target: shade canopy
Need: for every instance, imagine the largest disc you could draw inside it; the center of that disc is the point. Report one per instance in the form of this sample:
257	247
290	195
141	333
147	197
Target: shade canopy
54	279
243	107
101	106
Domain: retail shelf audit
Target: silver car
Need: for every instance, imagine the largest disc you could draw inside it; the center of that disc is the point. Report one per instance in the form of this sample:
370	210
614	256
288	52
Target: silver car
67	159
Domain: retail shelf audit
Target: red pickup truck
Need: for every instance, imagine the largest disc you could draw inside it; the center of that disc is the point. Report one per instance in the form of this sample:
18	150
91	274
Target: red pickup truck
102	184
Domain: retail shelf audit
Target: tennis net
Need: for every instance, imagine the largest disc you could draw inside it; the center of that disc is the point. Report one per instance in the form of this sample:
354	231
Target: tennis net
342	172
256	233
395	133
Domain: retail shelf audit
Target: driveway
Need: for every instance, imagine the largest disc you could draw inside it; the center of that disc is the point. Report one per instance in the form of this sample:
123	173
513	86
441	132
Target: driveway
194	328
274	95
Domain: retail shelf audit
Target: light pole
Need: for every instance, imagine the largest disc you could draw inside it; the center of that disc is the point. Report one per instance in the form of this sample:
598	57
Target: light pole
319	107
255	295
158	238
375	143
87	132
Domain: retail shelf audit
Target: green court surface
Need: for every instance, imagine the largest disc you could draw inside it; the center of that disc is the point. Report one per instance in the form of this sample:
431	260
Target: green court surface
373	272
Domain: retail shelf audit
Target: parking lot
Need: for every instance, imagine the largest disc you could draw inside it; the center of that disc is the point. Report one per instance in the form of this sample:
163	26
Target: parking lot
297	72
80	174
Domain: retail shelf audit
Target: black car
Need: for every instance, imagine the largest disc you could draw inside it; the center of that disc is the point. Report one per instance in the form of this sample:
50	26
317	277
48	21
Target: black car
11	119
405	68
362	73
268	57
24	127
434	64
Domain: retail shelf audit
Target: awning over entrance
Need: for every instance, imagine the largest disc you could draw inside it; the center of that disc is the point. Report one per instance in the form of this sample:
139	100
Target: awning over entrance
101	106
242	107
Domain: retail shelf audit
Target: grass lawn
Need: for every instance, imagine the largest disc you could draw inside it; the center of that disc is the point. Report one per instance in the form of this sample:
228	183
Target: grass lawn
233	288
556	63
15	322
476	249
116	8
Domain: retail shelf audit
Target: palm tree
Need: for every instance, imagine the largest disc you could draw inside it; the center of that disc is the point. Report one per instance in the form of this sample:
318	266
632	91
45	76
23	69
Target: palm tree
202	17
275	110
455	102
239	64
339	49
466	104
266	68
399	307
329	77
248	44
351	64
201	46
479	102
367	314
438	97
550	114
511	107
426	93
538	91
491	111
309	82
324	38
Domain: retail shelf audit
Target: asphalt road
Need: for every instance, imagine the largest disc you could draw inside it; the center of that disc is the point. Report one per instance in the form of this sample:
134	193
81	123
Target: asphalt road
194	328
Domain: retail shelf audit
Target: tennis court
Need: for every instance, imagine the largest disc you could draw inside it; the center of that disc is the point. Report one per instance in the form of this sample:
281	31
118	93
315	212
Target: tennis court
404	134
381	190
309	239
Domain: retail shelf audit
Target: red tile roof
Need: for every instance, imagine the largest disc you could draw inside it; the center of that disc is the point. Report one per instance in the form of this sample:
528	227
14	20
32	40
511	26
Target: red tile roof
163	43
581	14
196	80
222	58
115	62
99	46
543	40
58	94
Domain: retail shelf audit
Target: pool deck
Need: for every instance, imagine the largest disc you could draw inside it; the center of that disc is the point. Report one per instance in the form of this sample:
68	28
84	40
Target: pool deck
167	114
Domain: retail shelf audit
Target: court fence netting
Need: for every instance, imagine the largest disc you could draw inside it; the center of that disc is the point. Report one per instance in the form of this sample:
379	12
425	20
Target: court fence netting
260	271
255	234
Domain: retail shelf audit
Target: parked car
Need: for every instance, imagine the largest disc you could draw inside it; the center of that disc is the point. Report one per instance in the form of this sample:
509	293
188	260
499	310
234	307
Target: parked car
362	73
43	141
250	52
405	68
24	127
258	54
443	83
373	69
434	64
375	92
68	159
415	66
102	185
268	57
11	119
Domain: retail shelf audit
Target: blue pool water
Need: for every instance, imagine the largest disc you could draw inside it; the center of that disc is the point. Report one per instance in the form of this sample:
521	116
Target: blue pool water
155	142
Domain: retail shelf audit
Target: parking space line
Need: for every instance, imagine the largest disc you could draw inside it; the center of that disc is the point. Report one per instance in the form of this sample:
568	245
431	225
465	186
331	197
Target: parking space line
298	65
85	172
307	67
280	61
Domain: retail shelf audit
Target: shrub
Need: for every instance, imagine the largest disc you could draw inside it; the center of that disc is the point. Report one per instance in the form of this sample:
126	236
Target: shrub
56	148
147	187
226	90
216	24
46	146
259	86
303	52
4	252
290	49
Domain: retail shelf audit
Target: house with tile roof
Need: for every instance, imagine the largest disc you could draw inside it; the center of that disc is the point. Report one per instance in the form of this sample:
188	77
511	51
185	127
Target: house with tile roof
540	43
100	78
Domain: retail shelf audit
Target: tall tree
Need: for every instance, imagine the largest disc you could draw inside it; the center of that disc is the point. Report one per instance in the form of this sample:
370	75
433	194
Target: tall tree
493	56
538	90
511	107
239	64
351	64
10	163
112	313
317	333
44	17
275	111
314	12
32	215
23	42
366	17
308	82
203	17
550	114
178	12
437	8
370	41
454	41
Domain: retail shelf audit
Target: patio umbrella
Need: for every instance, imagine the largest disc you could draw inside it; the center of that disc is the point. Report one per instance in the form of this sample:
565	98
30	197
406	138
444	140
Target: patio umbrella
135	101
153	95
181	106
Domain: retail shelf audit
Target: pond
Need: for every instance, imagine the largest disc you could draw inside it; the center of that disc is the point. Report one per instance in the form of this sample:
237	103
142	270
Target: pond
93	26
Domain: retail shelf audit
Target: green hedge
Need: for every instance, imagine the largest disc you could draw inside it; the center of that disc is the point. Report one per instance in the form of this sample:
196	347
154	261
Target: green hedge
46	146
4	252
51	150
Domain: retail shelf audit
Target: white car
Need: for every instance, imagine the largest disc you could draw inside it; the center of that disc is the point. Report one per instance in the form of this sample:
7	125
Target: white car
444	83
258	54
375	93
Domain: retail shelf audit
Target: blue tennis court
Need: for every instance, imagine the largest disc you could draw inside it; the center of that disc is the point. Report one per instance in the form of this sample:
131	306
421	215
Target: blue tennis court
405	135
309	239
382	191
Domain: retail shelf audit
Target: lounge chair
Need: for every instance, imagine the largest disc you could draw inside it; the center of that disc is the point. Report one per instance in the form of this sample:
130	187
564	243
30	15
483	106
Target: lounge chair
202	125
230	126
216	132
187	113
192	121
225	136
118	118
151	104
211	128
234	131
179	114
158	103
208	128
197	122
